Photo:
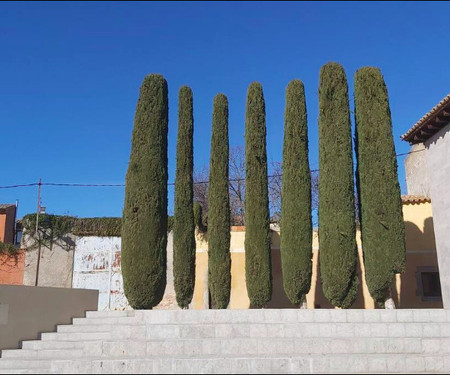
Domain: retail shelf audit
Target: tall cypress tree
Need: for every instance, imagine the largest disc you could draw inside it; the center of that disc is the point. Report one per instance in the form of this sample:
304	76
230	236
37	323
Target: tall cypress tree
337	227
144	224
258	267
381	217
198	218
184	225
219	259
296	221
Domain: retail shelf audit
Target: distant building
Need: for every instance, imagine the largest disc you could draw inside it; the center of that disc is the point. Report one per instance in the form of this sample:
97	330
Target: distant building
94	262
428	172
11	267
7	223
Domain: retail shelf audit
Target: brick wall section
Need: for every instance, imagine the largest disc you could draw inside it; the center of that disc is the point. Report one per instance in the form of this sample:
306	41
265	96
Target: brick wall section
12	268
438	161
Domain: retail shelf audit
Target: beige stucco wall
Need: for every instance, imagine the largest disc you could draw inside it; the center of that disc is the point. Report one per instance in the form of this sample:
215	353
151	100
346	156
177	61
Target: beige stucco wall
420	252
56	264
416	171
418	218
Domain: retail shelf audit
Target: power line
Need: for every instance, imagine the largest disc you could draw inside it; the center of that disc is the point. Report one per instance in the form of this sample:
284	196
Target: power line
80	185
410	152
67	184
18	186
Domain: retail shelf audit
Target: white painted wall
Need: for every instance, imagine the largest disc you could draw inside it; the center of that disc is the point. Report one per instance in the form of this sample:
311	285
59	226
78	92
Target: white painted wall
438	161
97	265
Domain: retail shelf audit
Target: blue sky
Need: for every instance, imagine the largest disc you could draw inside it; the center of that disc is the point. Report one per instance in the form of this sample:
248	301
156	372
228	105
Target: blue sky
70	75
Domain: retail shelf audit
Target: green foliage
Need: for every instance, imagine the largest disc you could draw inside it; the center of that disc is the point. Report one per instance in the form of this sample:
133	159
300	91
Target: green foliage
219	259
83	227
184	225
59	224
8	249
51	228
169	224
382	225
337	227
144	224
97	226
258	266
296	220
198	218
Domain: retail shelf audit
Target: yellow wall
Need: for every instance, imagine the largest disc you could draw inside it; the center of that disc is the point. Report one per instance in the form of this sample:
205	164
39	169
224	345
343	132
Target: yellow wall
420	252
418	219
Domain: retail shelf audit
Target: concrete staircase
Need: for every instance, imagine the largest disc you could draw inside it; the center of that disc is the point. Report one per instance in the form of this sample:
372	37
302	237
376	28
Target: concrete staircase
241	341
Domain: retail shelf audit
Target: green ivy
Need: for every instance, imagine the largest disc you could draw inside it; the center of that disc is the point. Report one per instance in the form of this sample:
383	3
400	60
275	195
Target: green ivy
8	249
57	226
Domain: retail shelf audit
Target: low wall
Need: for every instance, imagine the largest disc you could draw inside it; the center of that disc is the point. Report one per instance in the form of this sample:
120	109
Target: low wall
27	311
97	265
12	268
55	266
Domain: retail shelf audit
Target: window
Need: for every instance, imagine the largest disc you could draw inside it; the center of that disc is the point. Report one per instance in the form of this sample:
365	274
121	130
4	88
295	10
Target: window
18	238
431	285
428	284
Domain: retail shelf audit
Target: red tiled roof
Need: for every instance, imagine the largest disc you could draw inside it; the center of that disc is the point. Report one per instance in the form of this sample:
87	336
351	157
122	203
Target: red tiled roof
430	124
411	199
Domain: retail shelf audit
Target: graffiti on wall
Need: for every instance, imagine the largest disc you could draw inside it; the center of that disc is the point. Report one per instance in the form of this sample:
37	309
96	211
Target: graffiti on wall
97	265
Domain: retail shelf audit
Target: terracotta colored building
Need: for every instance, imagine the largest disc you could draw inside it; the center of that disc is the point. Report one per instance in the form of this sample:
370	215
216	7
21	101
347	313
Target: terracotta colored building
11	267
7	222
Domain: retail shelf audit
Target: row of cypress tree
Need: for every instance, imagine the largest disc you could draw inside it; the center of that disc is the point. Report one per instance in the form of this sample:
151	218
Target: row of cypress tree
144	237
380	206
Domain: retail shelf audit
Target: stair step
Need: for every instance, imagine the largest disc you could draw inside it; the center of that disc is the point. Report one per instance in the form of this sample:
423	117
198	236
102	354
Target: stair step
126	320
84	336
84	328
243	364
26	371
292	330
267	347
42	345
266	316
290	315
24	364
238	341
43	354
109	314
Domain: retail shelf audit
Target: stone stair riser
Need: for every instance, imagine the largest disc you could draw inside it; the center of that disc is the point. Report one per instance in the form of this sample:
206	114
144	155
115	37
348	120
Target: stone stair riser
298	364
241	341
264	347
291	330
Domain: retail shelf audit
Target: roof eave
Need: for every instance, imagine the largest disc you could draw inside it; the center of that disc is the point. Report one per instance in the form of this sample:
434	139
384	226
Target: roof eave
431	123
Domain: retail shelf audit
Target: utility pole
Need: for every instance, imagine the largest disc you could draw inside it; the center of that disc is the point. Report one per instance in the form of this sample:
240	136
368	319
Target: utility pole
37	233
15	223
